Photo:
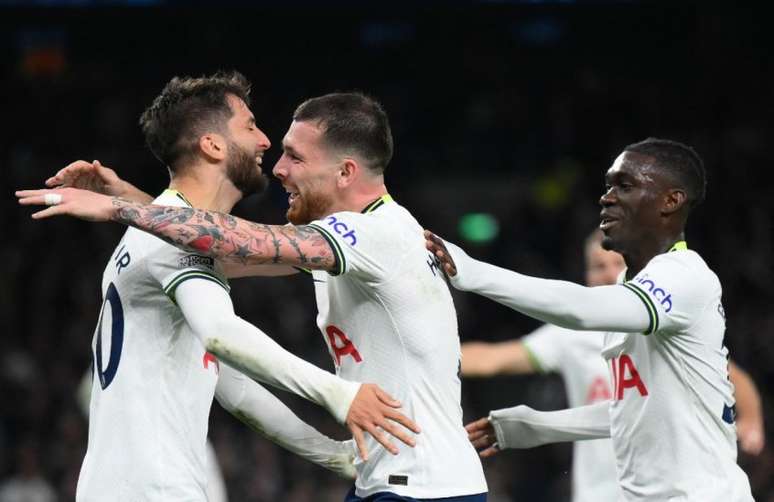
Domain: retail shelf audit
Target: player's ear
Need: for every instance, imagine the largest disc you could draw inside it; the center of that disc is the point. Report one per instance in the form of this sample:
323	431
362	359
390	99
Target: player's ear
675	199
347	173
213	146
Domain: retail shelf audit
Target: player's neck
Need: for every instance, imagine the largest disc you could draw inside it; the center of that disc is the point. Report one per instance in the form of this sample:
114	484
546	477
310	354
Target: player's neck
639	256
206	189
359	197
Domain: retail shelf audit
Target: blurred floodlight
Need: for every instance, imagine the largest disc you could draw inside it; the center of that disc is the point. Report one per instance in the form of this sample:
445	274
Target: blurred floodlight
478	227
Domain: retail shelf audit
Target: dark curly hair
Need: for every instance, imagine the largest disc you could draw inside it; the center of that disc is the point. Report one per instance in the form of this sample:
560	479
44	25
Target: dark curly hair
187	108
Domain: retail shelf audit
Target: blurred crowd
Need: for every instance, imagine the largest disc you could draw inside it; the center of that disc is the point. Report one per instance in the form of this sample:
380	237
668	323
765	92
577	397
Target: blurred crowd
514	111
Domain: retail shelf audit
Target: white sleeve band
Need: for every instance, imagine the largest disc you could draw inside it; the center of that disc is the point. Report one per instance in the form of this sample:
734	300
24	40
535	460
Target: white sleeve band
523	427
566	304
208	310
267	415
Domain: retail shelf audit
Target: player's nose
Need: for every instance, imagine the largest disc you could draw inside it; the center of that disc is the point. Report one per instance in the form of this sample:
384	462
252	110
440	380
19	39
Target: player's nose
263	141
607	199
279	170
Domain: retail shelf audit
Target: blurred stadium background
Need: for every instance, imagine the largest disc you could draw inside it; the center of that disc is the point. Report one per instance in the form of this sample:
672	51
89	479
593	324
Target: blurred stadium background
505	116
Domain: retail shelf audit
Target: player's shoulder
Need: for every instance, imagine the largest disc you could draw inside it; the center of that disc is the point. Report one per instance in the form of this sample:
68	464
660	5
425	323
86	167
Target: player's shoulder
385	222
684	265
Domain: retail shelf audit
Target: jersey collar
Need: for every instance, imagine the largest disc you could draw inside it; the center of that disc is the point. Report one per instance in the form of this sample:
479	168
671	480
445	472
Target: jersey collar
175	193
679	246
377	203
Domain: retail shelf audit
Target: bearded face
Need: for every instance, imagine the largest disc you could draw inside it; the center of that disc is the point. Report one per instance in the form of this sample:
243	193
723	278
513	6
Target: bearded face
244	171
308	206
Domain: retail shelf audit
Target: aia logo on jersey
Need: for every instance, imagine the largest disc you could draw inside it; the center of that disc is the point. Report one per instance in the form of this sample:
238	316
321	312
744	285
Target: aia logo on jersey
599	390
342	229
626	376
658	293
341	346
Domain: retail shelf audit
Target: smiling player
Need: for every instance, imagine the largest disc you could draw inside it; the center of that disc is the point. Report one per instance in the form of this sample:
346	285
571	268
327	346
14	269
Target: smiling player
671	417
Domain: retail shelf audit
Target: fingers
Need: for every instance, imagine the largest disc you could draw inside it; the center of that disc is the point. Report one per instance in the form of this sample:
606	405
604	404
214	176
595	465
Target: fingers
481	433
48	212
403	420
23	194
480	424
357	435
399	432
70	172
382	439
386	398
475	436
485	441
490	452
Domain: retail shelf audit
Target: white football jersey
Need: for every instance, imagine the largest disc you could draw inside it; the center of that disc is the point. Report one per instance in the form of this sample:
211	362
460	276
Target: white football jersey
388	318
672	412
153	381
576	357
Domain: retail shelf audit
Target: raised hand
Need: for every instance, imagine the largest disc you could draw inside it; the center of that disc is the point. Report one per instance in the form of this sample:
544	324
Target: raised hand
372	410
82	204
435	245
482	435
91	176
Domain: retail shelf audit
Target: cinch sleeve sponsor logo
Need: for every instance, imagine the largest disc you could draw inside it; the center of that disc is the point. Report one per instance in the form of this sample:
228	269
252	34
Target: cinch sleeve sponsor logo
660	294
342	229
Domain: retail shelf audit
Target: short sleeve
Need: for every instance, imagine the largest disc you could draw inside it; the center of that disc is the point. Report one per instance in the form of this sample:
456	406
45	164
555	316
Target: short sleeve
545	346
360	244
171	267
674	288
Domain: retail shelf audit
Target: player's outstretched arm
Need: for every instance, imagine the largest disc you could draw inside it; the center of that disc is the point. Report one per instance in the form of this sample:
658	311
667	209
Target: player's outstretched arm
749	418
565	304
480	359
95	177
266	414
523	427
363	407
221	236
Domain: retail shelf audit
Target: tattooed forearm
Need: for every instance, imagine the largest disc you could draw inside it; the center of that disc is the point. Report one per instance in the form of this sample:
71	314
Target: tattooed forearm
228	238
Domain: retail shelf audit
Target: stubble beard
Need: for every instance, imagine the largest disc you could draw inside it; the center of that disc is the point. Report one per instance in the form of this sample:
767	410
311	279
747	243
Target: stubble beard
244	172
308	208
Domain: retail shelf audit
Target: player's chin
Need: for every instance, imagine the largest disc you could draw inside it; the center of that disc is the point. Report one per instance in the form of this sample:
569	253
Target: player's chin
296	216
609	242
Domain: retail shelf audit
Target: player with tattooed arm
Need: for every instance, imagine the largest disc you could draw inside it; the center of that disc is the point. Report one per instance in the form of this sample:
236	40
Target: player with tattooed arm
385	311
168	339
